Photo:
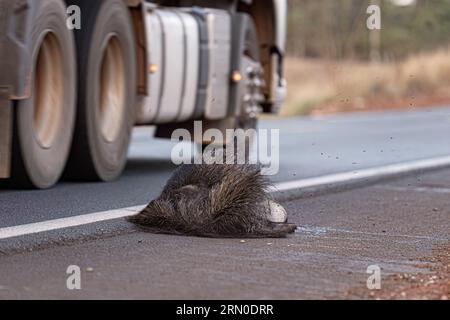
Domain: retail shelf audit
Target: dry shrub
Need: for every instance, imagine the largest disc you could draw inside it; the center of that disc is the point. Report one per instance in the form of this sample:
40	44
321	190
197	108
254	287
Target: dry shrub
349	85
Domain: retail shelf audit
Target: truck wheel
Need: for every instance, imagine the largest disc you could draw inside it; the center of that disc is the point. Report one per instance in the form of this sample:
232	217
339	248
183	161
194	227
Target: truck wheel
106	91
252	96
250	82
44	123
252	76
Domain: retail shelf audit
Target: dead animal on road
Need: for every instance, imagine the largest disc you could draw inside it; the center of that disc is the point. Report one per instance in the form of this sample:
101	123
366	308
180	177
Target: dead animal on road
216	200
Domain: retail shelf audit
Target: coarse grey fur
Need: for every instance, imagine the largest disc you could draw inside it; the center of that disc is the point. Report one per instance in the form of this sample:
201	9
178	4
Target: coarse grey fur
214	200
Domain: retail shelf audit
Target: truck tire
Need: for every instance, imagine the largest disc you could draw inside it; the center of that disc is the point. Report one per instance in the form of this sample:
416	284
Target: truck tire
249	109
43	124
106	91
251	57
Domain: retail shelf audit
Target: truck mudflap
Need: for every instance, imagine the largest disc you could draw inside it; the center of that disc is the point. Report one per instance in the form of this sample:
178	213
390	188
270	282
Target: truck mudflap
15	62
15	69
5	133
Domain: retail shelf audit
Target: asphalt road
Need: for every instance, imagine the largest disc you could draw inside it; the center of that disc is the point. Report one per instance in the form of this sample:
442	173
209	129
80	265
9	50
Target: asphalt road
397	224
309	148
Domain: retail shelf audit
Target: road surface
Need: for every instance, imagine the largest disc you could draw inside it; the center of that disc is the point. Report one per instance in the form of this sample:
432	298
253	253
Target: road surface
400	225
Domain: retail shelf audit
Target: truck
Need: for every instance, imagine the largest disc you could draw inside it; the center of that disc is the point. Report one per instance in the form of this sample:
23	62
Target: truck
77	75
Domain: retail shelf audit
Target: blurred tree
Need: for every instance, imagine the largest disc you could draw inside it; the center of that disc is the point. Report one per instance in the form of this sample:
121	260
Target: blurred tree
336	29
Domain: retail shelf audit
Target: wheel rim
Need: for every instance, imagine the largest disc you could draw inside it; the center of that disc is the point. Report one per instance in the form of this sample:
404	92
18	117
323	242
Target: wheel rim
253	82
48	91
112	90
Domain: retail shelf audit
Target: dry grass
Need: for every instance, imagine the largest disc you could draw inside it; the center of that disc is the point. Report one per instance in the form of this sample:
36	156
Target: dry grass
317	86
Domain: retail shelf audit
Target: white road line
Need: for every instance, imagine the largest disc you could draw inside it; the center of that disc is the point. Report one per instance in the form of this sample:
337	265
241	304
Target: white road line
346	177
362	174
70	222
